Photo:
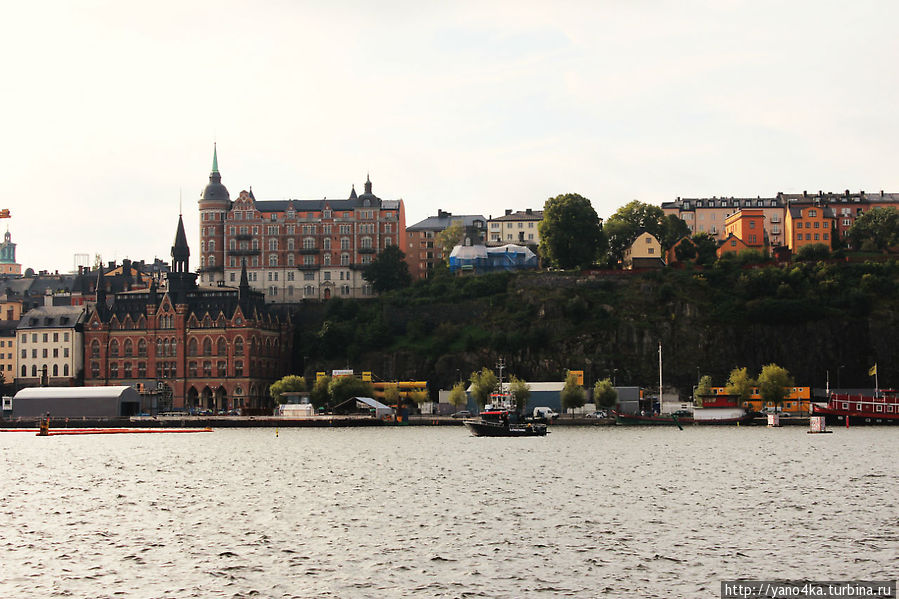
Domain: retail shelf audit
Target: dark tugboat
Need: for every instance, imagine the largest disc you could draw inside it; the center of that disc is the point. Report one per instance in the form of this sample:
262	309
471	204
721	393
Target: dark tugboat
502	419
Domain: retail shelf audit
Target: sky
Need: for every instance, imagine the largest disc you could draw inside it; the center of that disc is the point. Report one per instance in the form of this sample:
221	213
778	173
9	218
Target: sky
111	109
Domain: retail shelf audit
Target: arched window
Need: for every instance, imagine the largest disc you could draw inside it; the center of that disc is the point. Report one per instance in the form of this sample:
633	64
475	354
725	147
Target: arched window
65	370
129	348
159	348
221	347
95	349
192	347
56	370
24	371
207	346
238	346
142	348
114	348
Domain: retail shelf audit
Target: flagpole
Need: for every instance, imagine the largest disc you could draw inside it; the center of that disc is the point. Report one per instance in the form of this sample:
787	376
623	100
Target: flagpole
876	383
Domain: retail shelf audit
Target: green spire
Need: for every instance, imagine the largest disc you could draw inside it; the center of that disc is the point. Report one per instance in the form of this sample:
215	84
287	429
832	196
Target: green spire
215	159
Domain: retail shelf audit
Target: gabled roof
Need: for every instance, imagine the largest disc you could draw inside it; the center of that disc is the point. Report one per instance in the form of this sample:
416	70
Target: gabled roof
520	215
444	220
52	317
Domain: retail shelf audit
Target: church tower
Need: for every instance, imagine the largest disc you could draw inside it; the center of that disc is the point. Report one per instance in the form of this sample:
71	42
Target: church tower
214	205
8	264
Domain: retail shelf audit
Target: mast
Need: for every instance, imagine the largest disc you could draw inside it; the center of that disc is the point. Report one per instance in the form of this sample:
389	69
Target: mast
660	377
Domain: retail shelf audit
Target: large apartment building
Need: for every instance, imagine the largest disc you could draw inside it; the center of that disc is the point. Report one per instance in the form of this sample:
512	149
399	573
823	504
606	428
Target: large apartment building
295	249
520	228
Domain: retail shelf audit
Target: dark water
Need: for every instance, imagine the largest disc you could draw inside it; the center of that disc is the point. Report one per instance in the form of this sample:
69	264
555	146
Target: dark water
433	512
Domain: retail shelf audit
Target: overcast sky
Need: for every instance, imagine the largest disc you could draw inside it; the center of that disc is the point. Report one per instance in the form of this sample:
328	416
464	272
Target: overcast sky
111	109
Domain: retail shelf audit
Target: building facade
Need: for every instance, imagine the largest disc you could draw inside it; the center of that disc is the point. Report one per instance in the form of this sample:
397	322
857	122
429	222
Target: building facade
808	224
8	264
644	252
50	346
424	251
515	227
295	249
213	348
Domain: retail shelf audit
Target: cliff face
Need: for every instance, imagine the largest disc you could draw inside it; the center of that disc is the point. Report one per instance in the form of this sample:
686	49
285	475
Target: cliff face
611	326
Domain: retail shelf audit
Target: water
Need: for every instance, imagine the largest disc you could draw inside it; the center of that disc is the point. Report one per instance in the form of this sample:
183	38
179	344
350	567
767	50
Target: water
433	512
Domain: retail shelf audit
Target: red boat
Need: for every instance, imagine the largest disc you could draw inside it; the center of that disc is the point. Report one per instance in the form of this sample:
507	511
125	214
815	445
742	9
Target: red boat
880	408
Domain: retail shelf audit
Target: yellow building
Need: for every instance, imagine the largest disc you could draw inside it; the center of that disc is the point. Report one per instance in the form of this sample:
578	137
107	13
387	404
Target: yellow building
515	227
644	252
807	224
796	402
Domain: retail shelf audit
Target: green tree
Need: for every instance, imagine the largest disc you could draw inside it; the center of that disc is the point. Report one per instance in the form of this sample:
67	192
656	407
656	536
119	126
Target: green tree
573	395
706	249
878	227
291	382
570	232
457	396
483	383
319	395
449	238
419	397
623	227
703	389
520	392
342	388
388	271
673	230
604	393
813	252
774	384
392	395
685	251
739	383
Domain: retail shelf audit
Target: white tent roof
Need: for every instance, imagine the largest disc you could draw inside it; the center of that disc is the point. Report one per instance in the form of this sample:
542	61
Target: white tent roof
73	392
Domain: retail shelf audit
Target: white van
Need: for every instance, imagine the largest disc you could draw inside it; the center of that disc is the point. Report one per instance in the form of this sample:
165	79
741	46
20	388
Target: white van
545	412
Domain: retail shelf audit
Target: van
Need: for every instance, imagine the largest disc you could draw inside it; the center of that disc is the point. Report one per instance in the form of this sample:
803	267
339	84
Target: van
545	413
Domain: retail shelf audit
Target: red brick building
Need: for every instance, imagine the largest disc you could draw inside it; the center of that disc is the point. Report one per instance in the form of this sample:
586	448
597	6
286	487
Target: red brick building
215	348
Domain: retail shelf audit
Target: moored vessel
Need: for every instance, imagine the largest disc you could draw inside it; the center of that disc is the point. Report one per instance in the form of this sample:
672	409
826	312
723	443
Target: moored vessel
880	408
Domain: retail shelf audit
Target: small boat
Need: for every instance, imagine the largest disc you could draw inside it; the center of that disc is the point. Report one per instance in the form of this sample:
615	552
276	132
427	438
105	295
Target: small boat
504	423
880	408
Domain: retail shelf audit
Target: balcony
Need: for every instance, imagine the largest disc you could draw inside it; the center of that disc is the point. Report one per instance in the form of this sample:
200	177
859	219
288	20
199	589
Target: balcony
309	250
255	252
366	250
308	267
243	237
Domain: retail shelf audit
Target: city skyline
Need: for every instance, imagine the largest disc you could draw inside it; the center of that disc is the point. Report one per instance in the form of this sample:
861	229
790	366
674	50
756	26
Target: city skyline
112	110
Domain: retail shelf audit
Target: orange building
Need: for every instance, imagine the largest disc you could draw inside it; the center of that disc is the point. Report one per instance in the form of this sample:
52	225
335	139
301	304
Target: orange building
807	224
796	402
744	230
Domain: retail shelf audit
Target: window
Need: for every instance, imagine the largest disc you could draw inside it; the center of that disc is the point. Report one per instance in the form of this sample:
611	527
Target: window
238	368
114	349
95	349
273	260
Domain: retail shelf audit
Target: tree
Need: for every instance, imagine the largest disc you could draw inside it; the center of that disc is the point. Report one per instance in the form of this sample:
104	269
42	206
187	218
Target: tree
419	397
449	238
703	389
319	395
706	249
673	230
392	395
342	388
739	383
483	383
291	382
520	392
878	227
570	232
774	384
457	396
388	271
813	252
623	227
604	393
573	395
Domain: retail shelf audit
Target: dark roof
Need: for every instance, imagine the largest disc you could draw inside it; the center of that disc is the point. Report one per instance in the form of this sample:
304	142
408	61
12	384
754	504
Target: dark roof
521	215
796	210
445	219
46	317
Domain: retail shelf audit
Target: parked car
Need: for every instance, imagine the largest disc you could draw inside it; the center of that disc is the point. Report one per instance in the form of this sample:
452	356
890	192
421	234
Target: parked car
462	414
598	414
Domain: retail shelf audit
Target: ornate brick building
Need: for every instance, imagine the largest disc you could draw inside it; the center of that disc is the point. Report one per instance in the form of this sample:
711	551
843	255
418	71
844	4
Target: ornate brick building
295	249
215	348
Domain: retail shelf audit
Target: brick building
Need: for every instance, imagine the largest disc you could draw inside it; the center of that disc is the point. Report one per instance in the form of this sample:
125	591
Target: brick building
216	348
295	249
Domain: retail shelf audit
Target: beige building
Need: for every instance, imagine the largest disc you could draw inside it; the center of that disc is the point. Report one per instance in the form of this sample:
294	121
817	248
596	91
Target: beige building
709	215
8	350
515	227
644	252
50	341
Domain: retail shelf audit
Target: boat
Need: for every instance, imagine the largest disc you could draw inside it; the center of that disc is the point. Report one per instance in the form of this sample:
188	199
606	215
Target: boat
504	423
880	408
682	418
501	418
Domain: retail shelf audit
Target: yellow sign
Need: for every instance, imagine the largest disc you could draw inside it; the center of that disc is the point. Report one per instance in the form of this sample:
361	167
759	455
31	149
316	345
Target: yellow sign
366	376
580	376
320	375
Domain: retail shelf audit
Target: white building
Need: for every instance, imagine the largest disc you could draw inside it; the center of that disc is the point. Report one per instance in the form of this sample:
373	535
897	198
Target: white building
50	342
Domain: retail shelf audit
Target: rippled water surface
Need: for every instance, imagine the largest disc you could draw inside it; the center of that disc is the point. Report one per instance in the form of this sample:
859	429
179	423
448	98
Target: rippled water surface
433	512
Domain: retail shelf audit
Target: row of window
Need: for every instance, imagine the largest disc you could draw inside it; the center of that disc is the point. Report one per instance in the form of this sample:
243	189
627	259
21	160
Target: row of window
51	370
326	214
273	261
808	237
46	354
44	336
808	225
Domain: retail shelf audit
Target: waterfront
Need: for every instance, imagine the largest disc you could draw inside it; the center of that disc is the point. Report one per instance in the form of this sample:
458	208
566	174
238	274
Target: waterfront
434	512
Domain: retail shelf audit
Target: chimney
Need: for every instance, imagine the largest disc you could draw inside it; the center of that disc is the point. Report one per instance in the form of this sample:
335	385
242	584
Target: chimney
528	211
508	211
804	193
847	193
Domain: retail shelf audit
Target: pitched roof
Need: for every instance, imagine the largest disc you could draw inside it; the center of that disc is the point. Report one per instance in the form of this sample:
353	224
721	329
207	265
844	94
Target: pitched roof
444	220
